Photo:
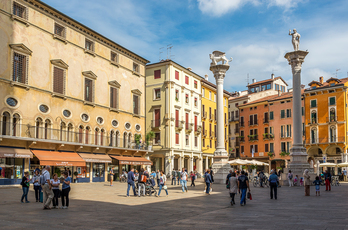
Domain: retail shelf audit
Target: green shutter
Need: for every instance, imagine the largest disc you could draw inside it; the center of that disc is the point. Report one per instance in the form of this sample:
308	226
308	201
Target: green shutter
282	114
332	100
313	103
271	115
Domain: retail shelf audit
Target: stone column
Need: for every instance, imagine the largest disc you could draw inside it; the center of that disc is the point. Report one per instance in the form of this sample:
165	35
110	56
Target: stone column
191	163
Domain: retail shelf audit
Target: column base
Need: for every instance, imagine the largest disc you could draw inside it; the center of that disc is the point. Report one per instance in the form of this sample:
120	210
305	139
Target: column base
220	166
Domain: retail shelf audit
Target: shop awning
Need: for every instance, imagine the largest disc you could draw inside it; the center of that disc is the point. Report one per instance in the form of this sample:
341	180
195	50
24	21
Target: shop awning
54	158
96	158
15	153
132	160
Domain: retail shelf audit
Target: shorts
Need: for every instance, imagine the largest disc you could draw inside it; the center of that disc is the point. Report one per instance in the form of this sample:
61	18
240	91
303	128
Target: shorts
317	188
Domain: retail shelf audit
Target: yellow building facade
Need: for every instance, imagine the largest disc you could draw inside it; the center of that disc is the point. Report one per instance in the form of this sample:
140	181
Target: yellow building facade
325	125
209	125
66	88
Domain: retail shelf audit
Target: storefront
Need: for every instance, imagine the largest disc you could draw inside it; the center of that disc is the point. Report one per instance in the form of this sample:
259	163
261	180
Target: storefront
98	162
13	163
126	163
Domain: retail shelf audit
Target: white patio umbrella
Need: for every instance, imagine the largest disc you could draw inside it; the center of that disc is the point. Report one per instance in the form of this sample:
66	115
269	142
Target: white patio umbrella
345	164
255	162
237	162
328	165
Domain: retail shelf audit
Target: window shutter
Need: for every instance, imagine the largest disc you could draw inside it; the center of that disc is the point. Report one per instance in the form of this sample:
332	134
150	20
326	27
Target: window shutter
157	74
136	104
177	138
282	113
176	75
332	100
271	115
58	80
113	98
255	119
251	119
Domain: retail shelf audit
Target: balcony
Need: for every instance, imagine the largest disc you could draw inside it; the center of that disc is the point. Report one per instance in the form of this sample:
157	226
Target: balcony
188	127
331	119
204	115
211	117
284	135
233	119
330	140
241	139
312	121
212	134
236	131
204	132
265	120
241	124
179	125
267	136
198	129
67	135
156	124
252	123
253	137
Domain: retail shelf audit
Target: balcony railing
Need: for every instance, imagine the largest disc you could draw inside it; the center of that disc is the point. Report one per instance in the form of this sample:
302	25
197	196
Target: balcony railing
328	140
204	132
204	115
267	136
265	120
284	135
188	127
212	134
197	128
179	124
236	130
67	134
234	118
331	119
211	117
241	139
155	123
312	121
241	124
253	137
252	123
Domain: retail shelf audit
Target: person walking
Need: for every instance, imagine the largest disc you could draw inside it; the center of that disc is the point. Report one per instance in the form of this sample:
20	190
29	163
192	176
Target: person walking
261	178
111	176
46	187
208	181
193	177
306	178
141	182
327	176
211	175
158	175
25	187
173	177
233	186
178	176
66	190
290	178
163	180
184	180
344	174
37	186
273	182
131	181
243	185
55	188
317	183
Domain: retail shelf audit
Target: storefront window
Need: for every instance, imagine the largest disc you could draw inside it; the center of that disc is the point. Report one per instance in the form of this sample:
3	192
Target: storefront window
11	168
83	172
98	170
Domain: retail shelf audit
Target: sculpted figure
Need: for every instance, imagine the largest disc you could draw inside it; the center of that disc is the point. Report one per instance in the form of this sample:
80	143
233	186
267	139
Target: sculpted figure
218	56
295	39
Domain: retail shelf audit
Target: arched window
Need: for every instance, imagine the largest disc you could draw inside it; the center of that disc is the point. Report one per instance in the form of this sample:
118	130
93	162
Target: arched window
15	125
70	133
6	123
314	135
125	140
314	117
38	128
96	133
111	138
333	115
129	140
332	134
62	135
102	133
47	128
81	134
117	138
88	130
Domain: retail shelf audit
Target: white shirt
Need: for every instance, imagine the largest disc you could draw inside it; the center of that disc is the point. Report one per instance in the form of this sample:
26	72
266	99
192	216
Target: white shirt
183	175
55	183
46	174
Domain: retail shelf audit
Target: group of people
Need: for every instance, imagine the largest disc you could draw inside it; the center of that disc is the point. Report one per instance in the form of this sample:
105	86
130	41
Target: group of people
50	188
238	181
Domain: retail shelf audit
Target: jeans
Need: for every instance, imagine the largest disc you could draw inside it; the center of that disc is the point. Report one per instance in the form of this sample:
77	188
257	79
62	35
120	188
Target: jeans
243	199
208	187
159	192
184	185
174	181
328	184
193	182
133	186
25	193
178	180
55	198
141	186
273	187
261	182
158	181
65	194
37	189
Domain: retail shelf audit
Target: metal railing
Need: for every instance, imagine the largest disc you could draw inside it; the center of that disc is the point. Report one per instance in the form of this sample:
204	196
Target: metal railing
188	126
155	123
253	138
211	117
241	124
234	118
252	123
204	115
312	121
332	139
236	130
331	119
265	120
179	124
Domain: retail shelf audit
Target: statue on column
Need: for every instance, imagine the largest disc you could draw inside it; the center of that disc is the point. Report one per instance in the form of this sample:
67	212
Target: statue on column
295	39
218	56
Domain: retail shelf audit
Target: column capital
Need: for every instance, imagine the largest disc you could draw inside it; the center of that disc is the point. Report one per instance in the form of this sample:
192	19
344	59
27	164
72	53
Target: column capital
295	59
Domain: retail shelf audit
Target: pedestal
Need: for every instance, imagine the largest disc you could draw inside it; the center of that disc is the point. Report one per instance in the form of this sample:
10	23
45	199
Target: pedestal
221	169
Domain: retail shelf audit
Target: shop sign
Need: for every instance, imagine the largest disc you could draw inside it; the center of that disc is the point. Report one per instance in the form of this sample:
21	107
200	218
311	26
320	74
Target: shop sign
135	163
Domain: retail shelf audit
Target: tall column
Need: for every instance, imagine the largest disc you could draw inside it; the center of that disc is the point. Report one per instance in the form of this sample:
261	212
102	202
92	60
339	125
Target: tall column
220	166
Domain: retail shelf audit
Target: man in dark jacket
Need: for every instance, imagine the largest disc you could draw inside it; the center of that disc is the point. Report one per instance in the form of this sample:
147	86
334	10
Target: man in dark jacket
141	184
243	185
131	181
208	181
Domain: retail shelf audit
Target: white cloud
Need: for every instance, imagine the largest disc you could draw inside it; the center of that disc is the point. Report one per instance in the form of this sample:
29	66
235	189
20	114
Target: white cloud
287	4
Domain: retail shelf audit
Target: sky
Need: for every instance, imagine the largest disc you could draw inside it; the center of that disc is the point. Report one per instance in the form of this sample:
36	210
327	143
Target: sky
255	33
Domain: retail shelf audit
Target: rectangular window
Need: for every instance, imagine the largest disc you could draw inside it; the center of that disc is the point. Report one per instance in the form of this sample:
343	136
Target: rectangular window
210	134
215	116
136	109
255	119
313	103
282	130
276	87
332	101
186	80
271	116
209	95
242	149
187	140
177	95
136	67
271	147
186	98
196	141
209	112
196	101
195	84
203	142
177	138
225	119
215	131
266	147
19	10
282	114
89	45
157	94
256	149
157	138
283	146
196	123
59	30
271	130
287	147
113	57
251	119
177	75
88	90
210	144
288	113
58	80
157	74
20	63
215	97
186	120
203	92
113	98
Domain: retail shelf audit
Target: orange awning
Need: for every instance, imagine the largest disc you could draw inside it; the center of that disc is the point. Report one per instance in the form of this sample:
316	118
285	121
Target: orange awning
132	160
96	158
54	158
15	153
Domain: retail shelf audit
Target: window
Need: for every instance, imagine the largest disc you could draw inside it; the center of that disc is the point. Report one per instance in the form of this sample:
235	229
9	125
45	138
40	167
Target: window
210	113
255	119
282	131
136	67
288	113
313	117
89	90
58	80
283	146
89	45
242	149
288	147
20	10
209	95
225	119
157	94
196	141
276	87
186	98
177	95
211	143
59	30
215	117
271	117
282	114
177	75
196	121
186	120
203	142
215	97
113	97
332	101
195	84
186	80
313	103
20	63
271	147
196	102
136	106
157	138
187	140
283	89
266	147
114	57
288	130
236	104
157	74
177	138
203	92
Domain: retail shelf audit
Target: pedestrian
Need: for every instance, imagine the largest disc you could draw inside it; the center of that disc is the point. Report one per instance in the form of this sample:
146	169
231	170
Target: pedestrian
141	182
136	175
193	177
327	180
290	176
173	177
25	187
37	186
158	175
163	180
273	182
344	174
307	182
212	175
228	177
184	176
65	190
46	187
111	176
69	172
130	181
243	185
317	183
55	188
233	186
178	176
296	180
261	178
208	181
301	181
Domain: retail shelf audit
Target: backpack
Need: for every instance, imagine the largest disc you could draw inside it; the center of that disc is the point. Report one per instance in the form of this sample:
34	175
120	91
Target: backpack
42	178
143	178
290	177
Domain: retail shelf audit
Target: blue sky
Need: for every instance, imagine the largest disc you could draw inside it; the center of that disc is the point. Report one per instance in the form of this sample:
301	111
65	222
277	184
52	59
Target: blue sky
253	32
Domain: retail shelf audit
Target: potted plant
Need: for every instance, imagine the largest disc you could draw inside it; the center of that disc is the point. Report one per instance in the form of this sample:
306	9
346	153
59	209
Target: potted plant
76	174
270	154
137	138
271	135
177	99
149	137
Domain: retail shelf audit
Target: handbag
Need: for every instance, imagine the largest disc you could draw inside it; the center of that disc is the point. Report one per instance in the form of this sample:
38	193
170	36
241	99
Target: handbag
249	196
165	187
228	185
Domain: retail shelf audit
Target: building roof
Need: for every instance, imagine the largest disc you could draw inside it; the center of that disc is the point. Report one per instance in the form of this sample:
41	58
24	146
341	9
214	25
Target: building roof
214	86
267	80
340	82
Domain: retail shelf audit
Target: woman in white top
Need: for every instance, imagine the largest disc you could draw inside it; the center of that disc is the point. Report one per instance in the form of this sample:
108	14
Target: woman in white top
162	184
37	186
233	186
55	188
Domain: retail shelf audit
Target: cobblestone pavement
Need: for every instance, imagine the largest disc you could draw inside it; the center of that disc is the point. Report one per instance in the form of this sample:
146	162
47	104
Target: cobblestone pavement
98	206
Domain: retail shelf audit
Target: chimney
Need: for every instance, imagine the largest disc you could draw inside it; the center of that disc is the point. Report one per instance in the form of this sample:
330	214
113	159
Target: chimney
206	77
321	80
253	80
279	93
189	68
272	76
302	86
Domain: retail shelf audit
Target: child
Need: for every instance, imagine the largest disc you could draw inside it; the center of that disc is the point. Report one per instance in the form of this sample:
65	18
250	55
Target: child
301	181
317	186
295	180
